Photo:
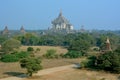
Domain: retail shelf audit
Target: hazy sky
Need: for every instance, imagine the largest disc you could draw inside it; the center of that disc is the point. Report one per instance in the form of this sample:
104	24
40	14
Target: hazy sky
38	14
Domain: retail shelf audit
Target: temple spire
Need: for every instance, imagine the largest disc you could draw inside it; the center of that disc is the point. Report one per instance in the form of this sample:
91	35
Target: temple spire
60	13
108	45
6	31
22	30
82	29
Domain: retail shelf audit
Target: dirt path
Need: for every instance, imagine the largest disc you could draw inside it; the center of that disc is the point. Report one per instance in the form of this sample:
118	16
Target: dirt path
52	70
42	72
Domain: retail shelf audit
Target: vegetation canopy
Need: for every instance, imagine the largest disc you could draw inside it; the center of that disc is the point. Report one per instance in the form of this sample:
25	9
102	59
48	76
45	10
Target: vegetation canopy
32	65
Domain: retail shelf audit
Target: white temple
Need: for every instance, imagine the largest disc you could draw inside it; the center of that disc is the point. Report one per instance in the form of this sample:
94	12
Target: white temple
61	23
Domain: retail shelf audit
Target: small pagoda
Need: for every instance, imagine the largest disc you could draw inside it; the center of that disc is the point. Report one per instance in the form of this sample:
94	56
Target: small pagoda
5	31
82	30
108	45
22	30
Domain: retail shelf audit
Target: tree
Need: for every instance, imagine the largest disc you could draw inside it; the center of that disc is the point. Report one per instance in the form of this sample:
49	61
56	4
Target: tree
10	45
109	61
73	54
2	39
30	49
81	42
32	65
28	39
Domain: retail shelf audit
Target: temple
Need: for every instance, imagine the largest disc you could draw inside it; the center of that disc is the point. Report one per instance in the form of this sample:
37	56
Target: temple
82	30
61	23
108	46
22	30
5	31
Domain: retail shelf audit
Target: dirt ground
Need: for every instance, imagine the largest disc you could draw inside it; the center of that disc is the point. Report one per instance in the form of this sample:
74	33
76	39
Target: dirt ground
10	69
75	74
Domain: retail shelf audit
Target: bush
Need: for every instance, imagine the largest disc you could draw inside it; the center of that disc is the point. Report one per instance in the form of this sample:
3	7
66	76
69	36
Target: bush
9	58
31	64
38	49
10	45
51	53
14	57
22	54
73	54
83	64
89	63
30	49
109	61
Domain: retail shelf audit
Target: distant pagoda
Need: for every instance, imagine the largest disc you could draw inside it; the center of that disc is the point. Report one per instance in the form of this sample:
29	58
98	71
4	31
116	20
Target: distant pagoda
5	31
82	30
108	45
61	23
22	30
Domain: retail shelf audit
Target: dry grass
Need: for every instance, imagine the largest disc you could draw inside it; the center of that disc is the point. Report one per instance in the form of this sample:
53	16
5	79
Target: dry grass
70	74
43	49
75	74
11	69
49	63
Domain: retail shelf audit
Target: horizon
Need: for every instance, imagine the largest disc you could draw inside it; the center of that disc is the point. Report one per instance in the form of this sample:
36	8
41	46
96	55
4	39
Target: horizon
37	15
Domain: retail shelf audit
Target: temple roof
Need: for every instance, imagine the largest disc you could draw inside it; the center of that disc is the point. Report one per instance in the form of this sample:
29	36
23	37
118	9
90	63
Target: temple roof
22	29
6	31
60	19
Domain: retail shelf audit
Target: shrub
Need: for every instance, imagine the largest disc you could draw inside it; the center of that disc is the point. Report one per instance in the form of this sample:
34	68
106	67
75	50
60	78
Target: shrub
14	57
83	64
51	53
30	49
109	61
96	49
10	45
32	65
91	61
9	58
73	54
22	54
38	49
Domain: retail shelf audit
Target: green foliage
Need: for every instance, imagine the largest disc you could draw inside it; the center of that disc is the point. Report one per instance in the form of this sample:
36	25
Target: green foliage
96	49
73	54
38	49
14	57
22	54
2	39
118	49
81	42
10	45
89	63
28	39
30	49
83	64
32	65
51	53
9	58
109	61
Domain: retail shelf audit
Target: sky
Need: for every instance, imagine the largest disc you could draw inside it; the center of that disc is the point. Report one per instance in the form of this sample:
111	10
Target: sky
38	14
